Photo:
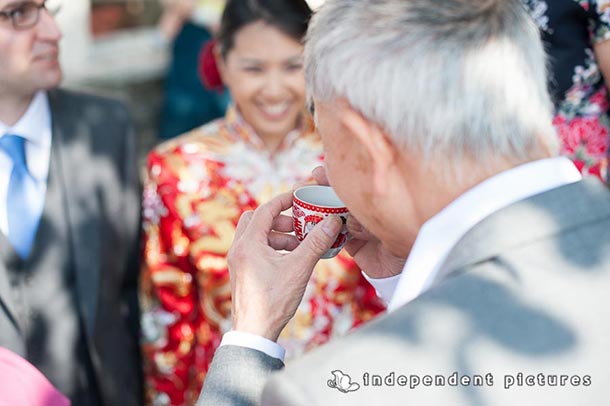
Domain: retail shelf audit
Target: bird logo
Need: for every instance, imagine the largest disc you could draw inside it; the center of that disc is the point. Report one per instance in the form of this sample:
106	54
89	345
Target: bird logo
342	382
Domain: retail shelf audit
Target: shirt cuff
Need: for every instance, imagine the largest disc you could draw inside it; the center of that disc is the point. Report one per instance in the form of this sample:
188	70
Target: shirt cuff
384	287
254	342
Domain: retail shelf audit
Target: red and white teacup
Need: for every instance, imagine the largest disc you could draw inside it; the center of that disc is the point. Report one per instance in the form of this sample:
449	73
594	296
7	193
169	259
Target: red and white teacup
311	204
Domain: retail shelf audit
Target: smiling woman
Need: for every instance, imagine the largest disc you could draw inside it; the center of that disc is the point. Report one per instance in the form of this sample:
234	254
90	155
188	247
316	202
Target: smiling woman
264	73
199	184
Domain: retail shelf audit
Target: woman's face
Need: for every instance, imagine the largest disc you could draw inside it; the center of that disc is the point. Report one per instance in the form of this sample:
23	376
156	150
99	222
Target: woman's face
264	73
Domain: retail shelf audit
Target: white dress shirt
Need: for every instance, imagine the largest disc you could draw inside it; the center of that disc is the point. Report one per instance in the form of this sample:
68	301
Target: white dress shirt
442	232
35	127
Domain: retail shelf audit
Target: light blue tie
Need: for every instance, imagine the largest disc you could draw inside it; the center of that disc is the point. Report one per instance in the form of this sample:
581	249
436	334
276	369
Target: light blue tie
22	205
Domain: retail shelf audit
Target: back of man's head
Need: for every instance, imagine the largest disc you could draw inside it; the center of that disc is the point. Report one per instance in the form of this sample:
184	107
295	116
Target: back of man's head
450	79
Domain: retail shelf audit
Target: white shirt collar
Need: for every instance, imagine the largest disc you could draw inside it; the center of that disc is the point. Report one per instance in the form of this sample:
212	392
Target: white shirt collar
443	231
34	125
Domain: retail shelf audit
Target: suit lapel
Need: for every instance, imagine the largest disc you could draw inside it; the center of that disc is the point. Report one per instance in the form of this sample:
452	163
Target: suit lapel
71	147
8	257
535	218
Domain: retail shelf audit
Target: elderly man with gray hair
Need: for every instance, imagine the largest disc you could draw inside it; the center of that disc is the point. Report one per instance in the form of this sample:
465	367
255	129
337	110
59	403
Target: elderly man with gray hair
492	253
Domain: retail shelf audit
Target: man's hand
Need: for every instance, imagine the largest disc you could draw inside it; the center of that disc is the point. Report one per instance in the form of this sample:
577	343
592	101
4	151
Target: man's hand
369	253
267	285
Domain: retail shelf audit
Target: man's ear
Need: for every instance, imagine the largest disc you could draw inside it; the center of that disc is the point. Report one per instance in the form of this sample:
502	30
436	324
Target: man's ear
376	145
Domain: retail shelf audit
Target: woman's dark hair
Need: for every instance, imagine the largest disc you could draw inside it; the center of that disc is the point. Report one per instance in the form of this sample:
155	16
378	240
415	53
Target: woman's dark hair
289	16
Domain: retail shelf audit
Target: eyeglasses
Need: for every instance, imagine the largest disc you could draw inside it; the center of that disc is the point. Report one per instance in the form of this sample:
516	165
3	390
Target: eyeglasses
26	15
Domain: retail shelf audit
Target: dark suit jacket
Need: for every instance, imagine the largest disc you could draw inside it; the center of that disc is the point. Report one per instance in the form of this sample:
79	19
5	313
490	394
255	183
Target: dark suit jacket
521	302
93	140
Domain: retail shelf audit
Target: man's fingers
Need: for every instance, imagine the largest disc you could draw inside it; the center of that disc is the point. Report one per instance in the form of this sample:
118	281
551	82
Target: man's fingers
265	215
242	224
319	175
284	224
282	242
319	239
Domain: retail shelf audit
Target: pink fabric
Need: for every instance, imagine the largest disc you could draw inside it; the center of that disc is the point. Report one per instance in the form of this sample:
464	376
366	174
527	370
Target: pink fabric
21	384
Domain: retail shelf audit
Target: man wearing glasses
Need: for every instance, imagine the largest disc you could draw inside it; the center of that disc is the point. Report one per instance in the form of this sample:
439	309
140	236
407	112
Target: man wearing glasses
69	207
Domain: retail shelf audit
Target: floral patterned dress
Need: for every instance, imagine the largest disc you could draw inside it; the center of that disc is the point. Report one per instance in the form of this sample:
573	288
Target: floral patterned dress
196	188
569	29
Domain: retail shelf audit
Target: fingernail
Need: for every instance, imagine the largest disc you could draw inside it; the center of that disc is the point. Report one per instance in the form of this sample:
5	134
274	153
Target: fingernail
332	225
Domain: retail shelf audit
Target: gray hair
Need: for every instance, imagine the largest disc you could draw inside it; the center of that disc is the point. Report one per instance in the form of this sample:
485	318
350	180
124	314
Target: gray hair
448	79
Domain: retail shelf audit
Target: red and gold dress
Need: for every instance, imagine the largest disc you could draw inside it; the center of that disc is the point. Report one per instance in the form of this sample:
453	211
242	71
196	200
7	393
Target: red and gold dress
196	188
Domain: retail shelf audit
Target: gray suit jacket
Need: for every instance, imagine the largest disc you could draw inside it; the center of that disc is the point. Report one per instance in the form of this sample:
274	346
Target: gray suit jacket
518	315
93	141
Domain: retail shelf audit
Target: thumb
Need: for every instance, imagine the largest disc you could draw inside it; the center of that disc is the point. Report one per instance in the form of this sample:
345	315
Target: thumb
320	239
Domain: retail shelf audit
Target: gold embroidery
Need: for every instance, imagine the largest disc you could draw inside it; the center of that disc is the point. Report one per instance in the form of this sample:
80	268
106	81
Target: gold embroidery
169	276
209	263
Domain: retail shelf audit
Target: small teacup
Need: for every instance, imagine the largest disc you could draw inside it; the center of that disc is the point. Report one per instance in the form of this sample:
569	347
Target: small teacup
311	204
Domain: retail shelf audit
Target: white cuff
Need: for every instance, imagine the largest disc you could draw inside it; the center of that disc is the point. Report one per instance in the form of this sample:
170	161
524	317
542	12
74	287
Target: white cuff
254	342
384	287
